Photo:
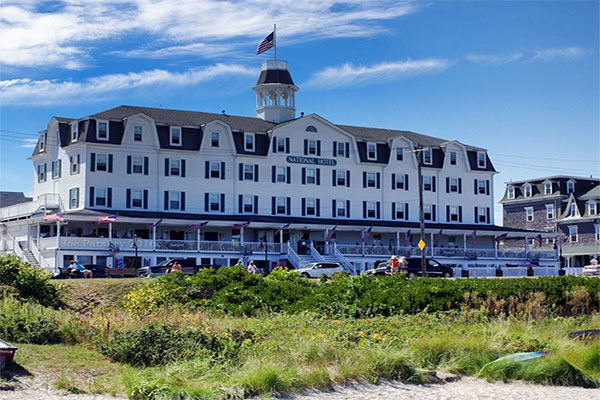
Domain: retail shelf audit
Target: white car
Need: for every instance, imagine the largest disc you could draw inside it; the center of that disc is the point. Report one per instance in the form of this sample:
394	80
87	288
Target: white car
315	270
591	270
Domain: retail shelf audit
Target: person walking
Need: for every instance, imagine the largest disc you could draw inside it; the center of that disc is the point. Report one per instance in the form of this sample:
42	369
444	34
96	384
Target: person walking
403	264
394	265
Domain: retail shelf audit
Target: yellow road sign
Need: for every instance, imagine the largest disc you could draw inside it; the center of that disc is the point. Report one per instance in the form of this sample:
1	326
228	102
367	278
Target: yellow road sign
421	244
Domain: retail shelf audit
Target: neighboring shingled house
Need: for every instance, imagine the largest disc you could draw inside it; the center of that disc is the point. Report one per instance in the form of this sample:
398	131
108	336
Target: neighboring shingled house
8	199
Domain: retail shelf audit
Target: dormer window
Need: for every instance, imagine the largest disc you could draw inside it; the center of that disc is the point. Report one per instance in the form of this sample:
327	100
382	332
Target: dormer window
43	142
528	190
427	159
74	131
371	151
452	158
548	188
137	133
214	139
511	193
573	209
570	187
399	153
102	130
249	141
592	210
175	137
481	161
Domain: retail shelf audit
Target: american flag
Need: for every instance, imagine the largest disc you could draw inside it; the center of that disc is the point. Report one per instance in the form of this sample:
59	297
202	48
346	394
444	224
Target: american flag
282	227
538	239
240	226
366	235
193	228
330	234
501	238
474	238
60	217
407	238
152	226
437	239
107	219
266	43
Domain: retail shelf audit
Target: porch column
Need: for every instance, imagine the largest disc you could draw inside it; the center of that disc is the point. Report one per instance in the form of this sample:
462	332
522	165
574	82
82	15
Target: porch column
154	238
526	244
431	244
280	242
397	240
465	242
495	247
242	236
198	239
110	232
39	229
58	234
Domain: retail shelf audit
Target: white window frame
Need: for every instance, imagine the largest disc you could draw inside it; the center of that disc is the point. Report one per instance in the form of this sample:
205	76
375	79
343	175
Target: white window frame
56	169
173	129
573	212
280	205
482	215
74	165
427	182
399	154
453	215
42	172
138	130
549	211
311	147
597	232
481	186
570	187
214	202
371	151
371	209
371	180
311	176
340	205
174	200
98	124
592	208
573	234
134	194
74	131
280	172
137	161
452	158
400	211
481	160
248	204
510	193
341	149
217	171
174	167
74	198
104	198
527	190
98	155
280	144
529	214
400	182
547	188
43	142
453	185
427	157
249	141
340	178
248	172
310	206
215	139
428	210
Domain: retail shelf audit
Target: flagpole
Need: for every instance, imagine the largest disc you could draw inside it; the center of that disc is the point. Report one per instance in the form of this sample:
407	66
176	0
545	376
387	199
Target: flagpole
274	42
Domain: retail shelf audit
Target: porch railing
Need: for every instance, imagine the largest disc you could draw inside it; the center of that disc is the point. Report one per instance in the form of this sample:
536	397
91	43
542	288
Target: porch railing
293	257
48	201
36	253
348	266
315	254
514	271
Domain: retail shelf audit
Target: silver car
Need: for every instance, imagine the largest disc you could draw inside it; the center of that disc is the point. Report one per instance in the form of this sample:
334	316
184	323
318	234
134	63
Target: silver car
591	270
315	270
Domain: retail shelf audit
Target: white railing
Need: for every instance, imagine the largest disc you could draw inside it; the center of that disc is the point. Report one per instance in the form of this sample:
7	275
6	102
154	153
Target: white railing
545	271
349	249
47	201
314	253
47	243
454	252
543	255
175	245
293	257
348	266
514	271
14	246
36	253
573	271
481	272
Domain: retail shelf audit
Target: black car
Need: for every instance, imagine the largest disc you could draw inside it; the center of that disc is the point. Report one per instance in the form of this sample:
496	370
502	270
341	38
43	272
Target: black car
188	266
432	268
98	271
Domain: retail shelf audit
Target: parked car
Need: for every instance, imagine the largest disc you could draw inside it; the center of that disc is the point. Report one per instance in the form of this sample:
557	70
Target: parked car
432	268
188	266
591	270
316	270
98	271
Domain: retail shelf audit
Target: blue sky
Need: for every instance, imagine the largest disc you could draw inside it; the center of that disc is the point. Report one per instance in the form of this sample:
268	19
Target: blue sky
518	78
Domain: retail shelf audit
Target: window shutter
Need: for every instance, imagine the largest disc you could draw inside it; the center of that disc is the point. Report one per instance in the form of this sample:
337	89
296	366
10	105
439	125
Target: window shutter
303	176
273	205
475	186
475	218
303	206
447	185
240	202
222	170
459	185
110	163
348	178
59	168
274	147
287	145
487	215
241	171
78	161
318	147
145	199
273	173
183	168
318	207
406	211
92	162
255	172
167	169
406	181
109	197
318	176
146	164
255	204
393	181
207	169
288	172
347	208
378	210
166	200
334	148
206	205
487	187
289	206
128	198
378	180
433	213
222	202
92	199
433	188
364	209
364	179
333	209
347	150
393	210
459	213
129	164
305	147
447	213
333	178
182	208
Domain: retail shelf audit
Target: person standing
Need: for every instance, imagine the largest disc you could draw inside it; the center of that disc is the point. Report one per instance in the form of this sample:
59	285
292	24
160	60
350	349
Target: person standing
176	267
394	265
403	264
252	269
86	273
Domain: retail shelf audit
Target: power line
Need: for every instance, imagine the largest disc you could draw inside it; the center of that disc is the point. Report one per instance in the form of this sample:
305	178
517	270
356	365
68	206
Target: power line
543	158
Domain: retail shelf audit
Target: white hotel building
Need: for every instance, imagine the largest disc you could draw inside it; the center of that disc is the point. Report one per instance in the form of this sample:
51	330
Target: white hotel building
187	168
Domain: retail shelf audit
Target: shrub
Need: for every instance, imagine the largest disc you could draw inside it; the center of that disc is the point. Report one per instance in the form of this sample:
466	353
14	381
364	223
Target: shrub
30	282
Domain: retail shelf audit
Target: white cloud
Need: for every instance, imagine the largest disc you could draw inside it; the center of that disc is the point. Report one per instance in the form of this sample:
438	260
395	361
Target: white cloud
26	91
541	55
494	59
355	75
62	34
564	53
28	144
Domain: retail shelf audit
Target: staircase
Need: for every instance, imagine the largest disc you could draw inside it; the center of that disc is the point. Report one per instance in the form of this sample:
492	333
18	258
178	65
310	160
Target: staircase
30	258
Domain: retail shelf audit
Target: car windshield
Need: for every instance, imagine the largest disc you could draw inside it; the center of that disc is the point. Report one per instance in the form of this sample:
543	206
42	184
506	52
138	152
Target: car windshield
163	263
434	263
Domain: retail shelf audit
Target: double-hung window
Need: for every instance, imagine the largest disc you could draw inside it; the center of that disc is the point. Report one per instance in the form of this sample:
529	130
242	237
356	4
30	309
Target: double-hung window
528	190
175	167
570	187
248	204
371	209
592	209
453	214
341	178
137	133
311	206
549	211
215	169
481	186
101	198
311	176
428	183
249	141
74	161
340	208
453	185
74	131
400	210
214	202
428	212
427	159
175	136
547	188
214	139
56	169
529	214
371	179
481	159
101	162
573	209
280	145
102	130
248	172
137	165
399	153
452	158
280	205
137	197
311	147
371	151
42	141
573	237
280	174
174	200
510	193
340	149
74	198
482	215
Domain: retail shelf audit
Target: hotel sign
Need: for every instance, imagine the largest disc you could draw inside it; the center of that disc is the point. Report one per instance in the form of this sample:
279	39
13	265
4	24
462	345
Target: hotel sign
312	161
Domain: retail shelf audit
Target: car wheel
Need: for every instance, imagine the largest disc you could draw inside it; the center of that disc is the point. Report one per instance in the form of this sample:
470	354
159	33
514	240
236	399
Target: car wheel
305	275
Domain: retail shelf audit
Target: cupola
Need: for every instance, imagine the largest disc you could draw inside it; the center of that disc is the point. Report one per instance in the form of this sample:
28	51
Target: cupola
275	92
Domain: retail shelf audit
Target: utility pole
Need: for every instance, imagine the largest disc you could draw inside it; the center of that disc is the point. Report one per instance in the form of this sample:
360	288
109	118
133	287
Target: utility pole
419	150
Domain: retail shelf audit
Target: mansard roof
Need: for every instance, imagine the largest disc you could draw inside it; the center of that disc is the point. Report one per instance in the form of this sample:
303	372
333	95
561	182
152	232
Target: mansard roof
585	188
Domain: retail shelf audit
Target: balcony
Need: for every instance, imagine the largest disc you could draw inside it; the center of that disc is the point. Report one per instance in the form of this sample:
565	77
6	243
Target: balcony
47	201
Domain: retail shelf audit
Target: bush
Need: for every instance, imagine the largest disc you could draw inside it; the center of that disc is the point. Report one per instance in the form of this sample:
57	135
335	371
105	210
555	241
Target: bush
31	283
